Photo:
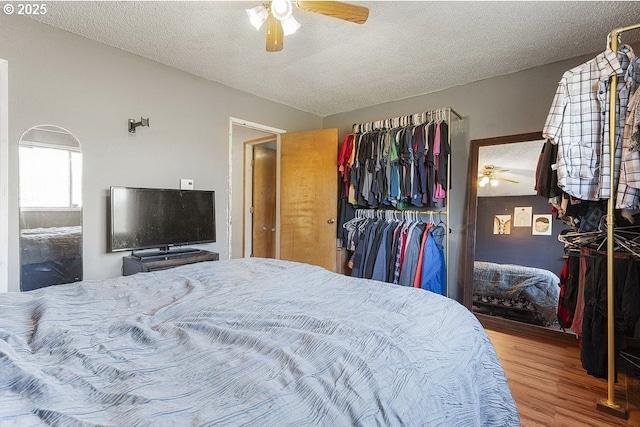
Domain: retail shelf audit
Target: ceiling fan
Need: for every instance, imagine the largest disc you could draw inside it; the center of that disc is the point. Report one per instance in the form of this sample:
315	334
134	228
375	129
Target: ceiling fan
280	21
490	176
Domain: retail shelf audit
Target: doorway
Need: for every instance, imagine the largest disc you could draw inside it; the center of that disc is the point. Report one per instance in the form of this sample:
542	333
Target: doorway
306	196
260	198
243	135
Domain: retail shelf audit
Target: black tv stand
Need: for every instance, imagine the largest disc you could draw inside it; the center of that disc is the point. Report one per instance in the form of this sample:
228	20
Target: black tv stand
147	262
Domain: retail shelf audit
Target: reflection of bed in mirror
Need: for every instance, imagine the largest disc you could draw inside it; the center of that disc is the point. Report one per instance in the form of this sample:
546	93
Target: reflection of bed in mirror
50	255
516	292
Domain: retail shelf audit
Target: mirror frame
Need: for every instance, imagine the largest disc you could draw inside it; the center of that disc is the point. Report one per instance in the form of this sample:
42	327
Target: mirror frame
504	325
472	203
45	127
499	324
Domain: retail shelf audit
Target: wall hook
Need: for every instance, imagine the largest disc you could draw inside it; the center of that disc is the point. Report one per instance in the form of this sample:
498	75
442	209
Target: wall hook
133	124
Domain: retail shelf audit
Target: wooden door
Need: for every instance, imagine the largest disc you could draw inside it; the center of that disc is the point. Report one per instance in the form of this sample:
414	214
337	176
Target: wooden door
309	197
263	233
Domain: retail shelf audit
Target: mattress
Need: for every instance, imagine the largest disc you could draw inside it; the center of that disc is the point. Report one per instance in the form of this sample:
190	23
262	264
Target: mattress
252	342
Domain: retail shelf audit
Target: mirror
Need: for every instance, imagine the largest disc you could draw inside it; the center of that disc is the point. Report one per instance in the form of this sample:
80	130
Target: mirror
514	258
50	171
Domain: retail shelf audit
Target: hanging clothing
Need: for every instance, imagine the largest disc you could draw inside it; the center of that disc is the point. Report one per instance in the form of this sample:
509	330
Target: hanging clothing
578	122
381	264
434	269
441	153
399	167
569	286
628	195
345	160
417	281
546	176
406	253
412	253
575	123
623	92
578	315
627	309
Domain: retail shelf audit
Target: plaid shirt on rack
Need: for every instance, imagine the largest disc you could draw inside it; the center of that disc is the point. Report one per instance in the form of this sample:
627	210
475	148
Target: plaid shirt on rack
628	194
623	91
575	122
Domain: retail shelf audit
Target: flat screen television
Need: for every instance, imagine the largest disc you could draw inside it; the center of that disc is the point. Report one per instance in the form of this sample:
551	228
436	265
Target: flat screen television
150	218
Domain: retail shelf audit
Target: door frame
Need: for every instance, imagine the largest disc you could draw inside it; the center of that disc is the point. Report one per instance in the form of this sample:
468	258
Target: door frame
255	126
4	175
247	199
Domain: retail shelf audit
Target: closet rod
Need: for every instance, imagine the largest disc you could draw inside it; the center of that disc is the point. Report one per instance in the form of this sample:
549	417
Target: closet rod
448	110
403	211
609	405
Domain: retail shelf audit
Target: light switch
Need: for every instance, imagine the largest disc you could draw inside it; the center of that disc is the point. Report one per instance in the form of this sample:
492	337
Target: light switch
186	184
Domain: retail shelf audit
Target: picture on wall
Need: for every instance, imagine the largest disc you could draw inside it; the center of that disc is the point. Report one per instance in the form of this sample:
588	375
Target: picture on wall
541	225
502	224
522	216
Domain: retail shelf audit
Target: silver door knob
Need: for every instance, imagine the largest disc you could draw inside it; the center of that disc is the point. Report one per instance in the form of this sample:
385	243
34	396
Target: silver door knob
331	221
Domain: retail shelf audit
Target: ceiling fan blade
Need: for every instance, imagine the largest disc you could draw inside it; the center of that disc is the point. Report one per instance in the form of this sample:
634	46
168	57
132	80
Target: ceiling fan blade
336	9
275	35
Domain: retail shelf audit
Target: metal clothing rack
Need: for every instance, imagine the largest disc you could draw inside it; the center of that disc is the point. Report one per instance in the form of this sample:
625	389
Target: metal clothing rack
445	114
609	404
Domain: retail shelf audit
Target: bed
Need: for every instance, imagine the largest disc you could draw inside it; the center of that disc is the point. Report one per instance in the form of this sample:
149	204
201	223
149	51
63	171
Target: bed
255	342
516	292
50	255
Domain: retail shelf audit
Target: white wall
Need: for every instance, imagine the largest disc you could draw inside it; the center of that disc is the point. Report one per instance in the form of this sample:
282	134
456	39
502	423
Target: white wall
92	90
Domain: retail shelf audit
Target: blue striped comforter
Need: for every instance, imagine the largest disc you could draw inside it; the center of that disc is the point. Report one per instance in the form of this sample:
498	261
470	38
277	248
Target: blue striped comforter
249	342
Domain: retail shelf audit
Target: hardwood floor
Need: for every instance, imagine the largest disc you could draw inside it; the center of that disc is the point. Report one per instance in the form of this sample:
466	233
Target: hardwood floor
551	388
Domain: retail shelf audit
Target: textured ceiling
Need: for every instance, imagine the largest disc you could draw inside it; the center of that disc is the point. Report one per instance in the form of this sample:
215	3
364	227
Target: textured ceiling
515	162
331	66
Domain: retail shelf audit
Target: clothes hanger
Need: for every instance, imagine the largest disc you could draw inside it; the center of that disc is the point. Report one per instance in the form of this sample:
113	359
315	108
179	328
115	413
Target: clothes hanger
597	239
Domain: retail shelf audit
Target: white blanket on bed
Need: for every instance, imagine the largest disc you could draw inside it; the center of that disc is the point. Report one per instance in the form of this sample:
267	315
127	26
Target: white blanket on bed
246	342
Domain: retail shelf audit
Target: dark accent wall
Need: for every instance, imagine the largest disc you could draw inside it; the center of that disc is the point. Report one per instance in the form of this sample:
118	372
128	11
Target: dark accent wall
520	247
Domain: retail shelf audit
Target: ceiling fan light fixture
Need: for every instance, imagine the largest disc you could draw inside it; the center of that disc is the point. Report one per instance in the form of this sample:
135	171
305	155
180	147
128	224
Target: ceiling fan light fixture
494	182
289	25
482	182
257	16
281	9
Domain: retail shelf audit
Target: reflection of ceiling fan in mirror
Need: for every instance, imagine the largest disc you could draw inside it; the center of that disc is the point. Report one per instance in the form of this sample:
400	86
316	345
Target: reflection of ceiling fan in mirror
280	21
490	175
